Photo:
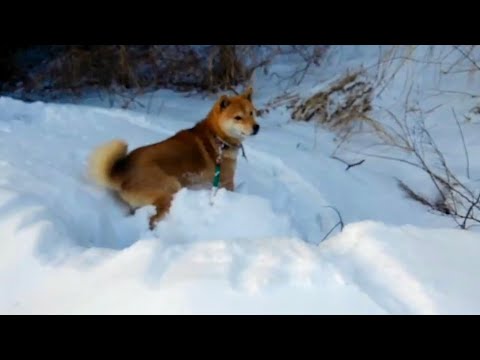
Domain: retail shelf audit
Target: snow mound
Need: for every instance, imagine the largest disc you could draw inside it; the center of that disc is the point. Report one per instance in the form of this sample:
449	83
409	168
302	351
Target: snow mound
231	216
410	270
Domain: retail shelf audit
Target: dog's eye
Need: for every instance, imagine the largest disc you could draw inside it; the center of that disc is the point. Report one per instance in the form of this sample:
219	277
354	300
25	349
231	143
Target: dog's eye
238	118
251	113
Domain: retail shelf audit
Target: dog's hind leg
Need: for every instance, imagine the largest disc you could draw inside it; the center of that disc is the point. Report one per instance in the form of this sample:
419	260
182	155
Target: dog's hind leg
162	204
151	188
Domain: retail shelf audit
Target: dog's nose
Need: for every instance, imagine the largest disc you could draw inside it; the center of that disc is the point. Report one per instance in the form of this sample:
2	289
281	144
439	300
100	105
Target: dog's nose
256	127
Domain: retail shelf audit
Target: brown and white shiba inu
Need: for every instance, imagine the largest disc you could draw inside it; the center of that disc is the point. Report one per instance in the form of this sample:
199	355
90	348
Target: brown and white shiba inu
152	174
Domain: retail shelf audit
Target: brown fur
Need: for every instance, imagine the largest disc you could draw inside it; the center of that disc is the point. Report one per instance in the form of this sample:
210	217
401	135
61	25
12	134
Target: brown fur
152	174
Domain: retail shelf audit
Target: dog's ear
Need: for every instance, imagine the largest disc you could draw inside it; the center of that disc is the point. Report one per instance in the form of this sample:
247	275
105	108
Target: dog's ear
223	102
248	93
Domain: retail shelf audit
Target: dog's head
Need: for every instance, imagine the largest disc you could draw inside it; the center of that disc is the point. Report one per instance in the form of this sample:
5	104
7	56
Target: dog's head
235	115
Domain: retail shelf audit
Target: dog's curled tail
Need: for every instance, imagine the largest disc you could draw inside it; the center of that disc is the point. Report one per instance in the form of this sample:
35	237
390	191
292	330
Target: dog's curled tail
102	160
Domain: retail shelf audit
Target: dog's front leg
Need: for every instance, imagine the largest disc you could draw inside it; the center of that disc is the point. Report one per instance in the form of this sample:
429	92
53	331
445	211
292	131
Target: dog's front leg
230	186
227	175
228	183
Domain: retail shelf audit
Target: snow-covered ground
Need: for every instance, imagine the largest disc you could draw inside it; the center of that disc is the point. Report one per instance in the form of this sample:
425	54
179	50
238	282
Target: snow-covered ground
67	246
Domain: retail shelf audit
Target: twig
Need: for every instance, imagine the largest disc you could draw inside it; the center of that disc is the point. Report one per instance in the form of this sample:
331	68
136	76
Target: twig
348	164
473	96
393	158
232	89
413	195
458	71
467	56
343	139
339	216
340	222
453	65
333	228
470	209
463	141
149	103
430	173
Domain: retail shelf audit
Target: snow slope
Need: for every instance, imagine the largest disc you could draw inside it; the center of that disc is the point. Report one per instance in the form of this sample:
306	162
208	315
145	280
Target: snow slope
69	247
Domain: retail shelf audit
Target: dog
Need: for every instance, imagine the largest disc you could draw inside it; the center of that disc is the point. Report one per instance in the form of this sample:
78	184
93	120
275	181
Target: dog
153	174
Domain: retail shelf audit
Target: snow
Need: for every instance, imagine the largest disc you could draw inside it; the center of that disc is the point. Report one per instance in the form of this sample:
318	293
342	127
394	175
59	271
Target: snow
408	269
68	246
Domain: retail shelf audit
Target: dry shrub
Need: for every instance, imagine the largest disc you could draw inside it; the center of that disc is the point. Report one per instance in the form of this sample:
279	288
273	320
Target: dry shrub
341	106
7	64
232	65
77	68
345	105
309	56
439	204
81	67
57	70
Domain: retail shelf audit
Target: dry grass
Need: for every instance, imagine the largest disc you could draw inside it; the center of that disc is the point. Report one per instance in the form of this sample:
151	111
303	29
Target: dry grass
210	68
410	135
341	107
344	108
438	204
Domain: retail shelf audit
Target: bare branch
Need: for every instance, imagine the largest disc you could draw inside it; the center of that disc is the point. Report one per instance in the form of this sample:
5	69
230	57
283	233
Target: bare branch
413	195
407	131
471	210
355	164
467	56
348	164
463	141
392	158
454	64
473	96
340	222
232	89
